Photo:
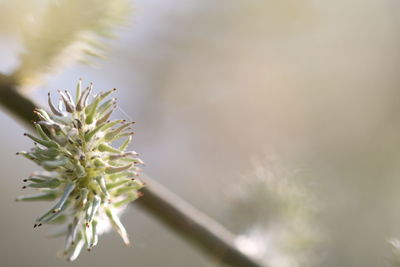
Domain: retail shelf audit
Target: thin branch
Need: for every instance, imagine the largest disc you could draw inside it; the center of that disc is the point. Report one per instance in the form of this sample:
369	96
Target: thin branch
17	104
164	205
192	224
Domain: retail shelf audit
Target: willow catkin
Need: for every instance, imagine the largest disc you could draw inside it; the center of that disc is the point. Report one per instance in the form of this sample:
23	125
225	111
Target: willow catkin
89	178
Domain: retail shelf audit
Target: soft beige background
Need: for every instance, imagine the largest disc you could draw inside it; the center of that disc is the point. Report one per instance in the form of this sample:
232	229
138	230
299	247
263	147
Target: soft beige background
215	84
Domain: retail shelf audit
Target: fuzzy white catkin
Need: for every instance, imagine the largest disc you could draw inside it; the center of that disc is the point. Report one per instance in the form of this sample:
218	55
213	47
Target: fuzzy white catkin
282	230
91	180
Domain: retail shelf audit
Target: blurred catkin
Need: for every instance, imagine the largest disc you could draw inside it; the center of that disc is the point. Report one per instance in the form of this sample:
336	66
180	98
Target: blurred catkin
66	32
278	211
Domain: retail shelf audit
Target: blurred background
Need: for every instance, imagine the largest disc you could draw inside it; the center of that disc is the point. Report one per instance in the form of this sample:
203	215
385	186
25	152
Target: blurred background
278	118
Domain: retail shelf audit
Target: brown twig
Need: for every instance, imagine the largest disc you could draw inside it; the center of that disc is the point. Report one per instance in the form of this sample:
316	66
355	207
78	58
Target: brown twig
164	205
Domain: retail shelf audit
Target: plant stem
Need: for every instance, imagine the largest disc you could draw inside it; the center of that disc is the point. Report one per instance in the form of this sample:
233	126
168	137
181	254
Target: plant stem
164	205
192	224
17	104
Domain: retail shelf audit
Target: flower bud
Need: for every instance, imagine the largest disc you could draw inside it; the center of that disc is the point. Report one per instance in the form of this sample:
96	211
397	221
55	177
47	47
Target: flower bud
89	179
